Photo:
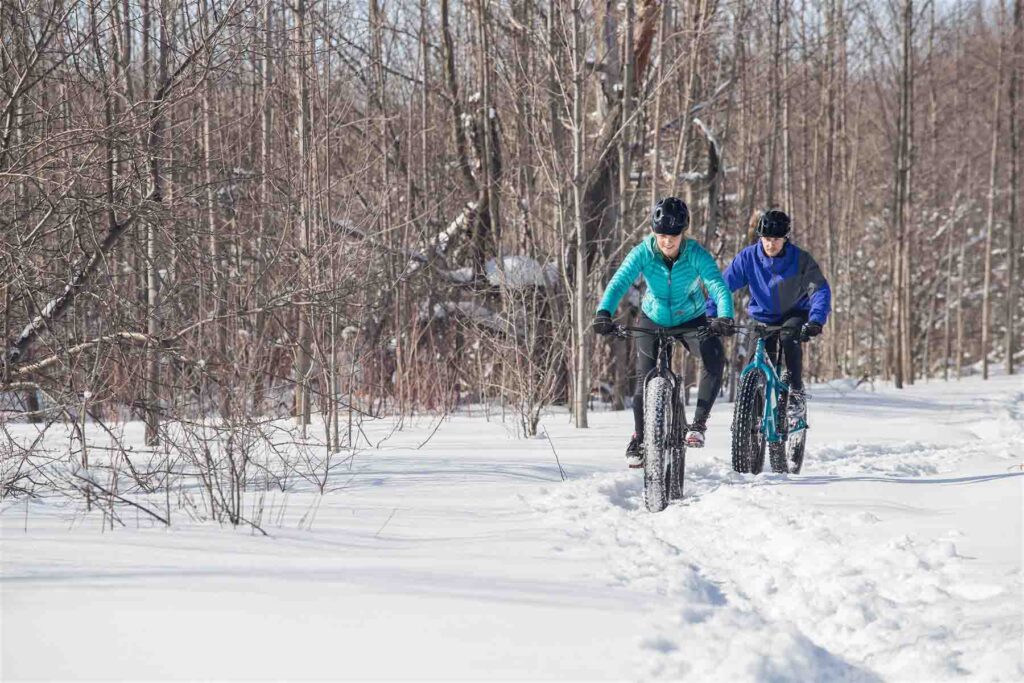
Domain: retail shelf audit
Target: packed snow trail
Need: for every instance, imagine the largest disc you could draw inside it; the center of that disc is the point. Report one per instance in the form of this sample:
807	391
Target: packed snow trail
890	557
896	555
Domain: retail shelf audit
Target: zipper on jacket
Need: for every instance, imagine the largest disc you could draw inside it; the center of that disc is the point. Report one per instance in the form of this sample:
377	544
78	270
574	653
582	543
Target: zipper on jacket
777	295
671	313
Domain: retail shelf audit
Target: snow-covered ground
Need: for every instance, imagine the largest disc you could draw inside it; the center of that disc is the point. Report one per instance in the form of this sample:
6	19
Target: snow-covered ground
896	555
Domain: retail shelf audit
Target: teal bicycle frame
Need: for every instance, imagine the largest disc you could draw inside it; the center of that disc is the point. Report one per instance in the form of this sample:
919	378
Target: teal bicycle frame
775	388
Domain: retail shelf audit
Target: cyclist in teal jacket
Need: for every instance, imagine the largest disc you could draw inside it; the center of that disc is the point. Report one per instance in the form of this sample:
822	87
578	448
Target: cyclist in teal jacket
674	269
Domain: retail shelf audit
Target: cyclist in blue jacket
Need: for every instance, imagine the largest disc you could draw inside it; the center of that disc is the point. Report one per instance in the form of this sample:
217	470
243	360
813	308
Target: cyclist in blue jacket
674	269
786	288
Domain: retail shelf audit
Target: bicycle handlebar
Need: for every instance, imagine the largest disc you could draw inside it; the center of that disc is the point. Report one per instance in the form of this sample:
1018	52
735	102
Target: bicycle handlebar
758	329
627	331
764	330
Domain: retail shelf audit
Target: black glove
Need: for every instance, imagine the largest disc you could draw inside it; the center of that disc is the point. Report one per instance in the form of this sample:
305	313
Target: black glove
721	327
810	329
603	323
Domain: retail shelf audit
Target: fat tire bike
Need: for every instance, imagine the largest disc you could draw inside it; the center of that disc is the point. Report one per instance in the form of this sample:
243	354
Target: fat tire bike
665	425
760	421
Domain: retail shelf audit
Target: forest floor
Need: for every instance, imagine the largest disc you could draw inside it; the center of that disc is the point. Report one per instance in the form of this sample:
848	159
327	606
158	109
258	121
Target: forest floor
895	555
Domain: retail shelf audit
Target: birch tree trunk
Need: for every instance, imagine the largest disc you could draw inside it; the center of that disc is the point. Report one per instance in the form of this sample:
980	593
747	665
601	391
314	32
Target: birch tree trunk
582	379
961	289
155	149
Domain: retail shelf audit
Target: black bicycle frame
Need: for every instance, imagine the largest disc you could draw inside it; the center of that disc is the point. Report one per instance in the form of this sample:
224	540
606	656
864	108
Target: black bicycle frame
666	338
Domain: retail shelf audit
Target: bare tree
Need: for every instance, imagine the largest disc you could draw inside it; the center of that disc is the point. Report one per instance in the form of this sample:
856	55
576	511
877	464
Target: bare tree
1013	224
986	290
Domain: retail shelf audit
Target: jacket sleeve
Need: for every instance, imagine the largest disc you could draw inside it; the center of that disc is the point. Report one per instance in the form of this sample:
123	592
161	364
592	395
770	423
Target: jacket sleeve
625	276
816	287
735	277
711	276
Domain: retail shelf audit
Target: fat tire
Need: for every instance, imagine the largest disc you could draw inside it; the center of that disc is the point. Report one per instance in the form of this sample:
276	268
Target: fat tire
677	466
677	469
795	450
657	432
748	441
777	450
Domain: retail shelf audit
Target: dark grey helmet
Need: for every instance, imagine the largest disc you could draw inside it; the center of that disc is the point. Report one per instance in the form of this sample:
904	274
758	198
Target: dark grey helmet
773	223
670	216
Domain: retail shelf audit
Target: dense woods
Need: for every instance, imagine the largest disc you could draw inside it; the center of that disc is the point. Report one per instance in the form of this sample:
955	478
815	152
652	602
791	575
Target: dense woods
240	208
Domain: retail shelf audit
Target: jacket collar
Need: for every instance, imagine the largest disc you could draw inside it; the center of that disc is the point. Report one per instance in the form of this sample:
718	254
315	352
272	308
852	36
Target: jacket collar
786	248
652	244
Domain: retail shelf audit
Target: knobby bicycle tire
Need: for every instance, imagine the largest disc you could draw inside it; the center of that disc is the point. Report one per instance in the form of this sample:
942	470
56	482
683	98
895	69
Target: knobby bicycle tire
748	439
657	413
777	450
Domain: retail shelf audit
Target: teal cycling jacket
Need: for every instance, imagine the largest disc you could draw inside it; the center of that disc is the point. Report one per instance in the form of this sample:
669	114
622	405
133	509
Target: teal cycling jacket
674	294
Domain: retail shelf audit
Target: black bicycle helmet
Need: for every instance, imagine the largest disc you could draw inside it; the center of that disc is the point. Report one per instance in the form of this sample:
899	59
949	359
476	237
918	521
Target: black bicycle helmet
773	223
670	216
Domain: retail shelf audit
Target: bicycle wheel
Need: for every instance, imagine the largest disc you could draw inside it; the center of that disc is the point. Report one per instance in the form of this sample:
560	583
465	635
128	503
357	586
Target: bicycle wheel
677	462
795	451
797	439
795	445
748	442
777	451
657	430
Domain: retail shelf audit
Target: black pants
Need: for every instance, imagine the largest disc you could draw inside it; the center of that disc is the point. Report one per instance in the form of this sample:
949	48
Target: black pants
712	356
791	348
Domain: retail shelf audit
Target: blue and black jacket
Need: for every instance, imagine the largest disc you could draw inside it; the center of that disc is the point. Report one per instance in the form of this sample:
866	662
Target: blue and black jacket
782	286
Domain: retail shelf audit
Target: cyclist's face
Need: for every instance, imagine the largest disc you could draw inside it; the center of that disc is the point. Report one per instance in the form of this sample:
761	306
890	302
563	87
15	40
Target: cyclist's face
669	244
773	245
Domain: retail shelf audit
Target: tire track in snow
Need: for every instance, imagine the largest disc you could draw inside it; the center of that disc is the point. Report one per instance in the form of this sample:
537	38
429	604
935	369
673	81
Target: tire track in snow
705	629
758	585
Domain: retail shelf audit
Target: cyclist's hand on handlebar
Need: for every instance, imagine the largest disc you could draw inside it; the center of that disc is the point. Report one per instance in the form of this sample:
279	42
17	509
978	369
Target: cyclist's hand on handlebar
722	327
603	323
810	329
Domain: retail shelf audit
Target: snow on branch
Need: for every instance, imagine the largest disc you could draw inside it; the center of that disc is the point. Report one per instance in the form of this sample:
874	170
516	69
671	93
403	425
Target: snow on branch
442	242
85	266
517	272
80	274
135	338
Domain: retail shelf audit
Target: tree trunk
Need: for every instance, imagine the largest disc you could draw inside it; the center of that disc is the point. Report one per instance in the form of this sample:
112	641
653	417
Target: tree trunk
266	127
582	380
946	338
1014	226
775	93
155	149
658	98
901	207
961	288
304	343
489	167
986	294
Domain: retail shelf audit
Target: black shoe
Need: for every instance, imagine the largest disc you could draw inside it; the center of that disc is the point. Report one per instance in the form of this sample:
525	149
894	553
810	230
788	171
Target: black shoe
634	452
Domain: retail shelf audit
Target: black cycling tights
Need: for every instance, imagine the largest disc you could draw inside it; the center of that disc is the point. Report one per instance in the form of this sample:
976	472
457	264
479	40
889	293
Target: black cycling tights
712	356
791	349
